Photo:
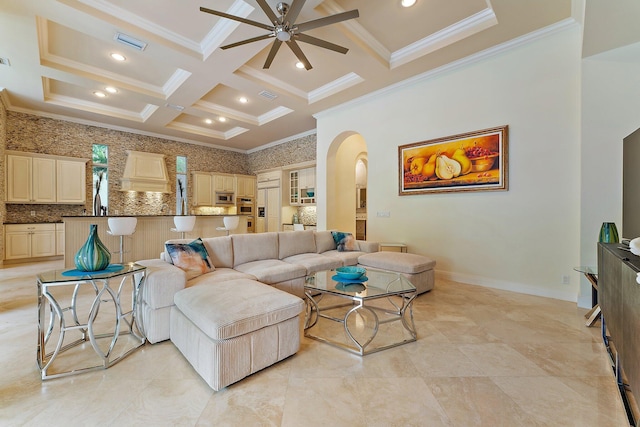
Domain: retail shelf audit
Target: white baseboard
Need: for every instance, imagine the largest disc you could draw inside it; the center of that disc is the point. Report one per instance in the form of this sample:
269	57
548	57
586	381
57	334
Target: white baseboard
509	286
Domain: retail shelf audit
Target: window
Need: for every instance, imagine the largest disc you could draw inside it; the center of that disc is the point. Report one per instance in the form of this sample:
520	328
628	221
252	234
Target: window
100	179
181	185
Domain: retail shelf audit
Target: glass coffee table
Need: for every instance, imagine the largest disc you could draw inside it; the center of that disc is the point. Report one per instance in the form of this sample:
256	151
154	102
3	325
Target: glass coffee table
362	318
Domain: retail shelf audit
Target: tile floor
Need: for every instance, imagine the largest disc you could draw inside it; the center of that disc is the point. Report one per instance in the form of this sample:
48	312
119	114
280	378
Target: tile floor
483	358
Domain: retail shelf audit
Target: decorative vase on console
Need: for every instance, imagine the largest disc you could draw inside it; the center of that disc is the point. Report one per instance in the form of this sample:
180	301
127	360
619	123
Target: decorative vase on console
93	255
609	233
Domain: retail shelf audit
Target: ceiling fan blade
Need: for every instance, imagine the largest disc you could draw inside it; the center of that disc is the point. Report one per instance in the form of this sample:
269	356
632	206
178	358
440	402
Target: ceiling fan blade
294	11
321	43
237	18
267	11
327	20
251	40
298	52
272	53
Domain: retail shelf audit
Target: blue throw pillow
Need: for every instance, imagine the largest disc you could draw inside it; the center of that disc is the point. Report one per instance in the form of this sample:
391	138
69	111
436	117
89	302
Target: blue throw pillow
344	241
192	257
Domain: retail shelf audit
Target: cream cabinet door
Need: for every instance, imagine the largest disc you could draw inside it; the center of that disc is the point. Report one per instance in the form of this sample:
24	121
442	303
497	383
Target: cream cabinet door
43	185
71	182
19	177
17	242
226	183
245	186
29	240
250	186
202	189
43	241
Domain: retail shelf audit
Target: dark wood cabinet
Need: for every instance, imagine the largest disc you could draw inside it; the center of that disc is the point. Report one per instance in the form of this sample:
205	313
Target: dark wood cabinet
619	298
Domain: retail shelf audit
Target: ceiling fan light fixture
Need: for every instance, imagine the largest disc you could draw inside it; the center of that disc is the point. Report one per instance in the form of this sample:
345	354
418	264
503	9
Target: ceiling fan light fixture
285	28
299	65
407	3
282	34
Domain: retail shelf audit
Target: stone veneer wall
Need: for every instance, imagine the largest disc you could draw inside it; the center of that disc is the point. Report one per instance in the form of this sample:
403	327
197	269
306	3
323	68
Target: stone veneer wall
297	150
25	132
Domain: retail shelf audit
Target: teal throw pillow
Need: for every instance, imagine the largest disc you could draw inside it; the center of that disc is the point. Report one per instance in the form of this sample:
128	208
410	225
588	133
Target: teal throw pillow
344	241
192	257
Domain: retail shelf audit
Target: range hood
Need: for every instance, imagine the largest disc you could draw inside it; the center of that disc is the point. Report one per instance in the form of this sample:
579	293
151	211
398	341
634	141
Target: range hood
145	172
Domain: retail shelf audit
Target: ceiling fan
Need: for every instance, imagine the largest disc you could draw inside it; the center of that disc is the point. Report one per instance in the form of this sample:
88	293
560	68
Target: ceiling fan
285	29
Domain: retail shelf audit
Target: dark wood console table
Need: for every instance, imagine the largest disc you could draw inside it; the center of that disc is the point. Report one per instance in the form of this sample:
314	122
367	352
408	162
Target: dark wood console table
619	298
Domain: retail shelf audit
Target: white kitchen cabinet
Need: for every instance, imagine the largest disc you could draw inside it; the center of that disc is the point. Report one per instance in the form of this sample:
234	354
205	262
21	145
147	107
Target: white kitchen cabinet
43	184
224	183
71	180
30	179
45	179
307	178
245	186
203	192
29	241
302	185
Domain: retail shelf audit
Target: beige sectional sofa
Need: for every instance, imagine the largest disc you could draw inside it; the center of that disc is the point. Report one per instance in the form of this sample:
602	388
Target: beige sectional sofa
281	259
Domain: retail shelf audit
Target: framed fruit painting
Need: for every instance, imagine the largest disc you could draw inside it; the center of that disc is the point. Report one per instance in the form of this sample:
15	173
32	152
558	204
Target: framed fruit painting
473	161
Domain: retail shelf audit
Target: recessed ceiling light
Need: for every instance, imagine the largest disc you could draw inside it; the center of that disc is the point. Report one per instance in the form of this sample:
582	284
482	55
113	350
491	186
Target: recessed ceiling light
208	121
243	100
111	89
407	3
118	57
299	64
100	94
222	119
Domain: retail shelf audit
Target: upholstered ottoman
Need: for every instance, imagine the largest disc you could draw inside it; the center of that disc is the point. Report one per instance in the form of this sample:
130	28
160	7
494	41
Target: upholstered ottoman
232	329
417	268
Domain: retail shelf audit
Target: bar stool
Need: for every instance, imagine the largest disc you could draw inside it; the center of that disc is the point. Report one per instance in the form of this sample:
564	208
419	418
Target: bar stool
230	224
184	224
122	226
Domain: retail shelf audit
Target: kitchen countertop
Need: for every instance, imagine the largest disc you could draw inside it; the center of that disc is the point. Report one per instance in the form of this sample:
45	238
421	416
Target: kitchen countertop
34	222
143	216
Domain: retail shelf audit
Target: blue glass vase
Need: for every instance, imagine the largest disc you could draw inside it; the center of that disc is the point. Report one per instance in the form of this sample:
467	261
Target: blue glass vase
609	233
93	255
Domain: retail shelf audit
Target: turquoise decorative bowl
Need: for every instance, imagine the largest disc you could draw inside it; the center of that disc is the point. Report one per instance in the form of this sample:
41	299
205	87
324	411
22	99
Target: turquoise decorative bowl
350	273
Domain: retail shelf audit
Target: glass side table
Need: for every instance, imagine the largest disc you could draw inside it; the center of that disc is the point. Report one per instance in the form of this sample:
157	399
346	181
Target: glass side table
91	319
591	273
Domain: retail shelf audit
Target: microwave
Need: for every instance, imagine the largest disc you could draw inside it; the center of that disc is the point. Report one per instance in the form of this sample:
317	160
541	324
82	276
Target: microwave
223	198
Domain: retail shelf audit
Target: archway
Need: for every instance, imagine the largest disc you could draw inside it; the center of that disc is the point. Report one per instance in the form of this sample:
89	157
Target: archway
341	196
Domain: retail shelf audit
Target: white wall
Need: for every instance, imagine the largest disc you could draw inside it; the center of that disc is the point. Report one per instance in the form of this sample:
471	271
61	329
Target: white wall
610	112
524	239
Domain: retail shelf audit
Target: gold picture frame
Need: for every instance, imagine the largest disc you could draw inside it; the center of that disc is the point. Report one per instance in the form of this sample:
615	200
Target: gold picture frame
472	161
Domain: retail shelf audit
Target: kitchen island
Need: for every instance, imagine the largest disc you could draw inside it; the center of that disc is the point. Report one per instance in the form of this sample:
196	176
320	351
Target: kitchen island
148	240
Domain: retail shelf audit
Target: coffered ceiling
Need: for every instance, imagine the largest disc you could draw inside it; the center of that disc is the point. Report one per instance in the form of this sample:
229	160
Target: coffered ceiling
56	56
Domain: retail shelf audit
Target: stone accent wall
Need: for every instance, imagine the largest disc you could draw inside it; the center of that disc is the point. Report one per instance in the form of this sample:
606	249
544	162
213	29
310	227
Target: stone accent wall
288	153
36	134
